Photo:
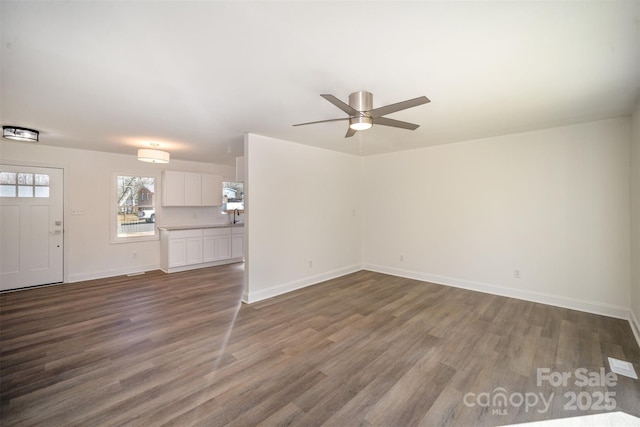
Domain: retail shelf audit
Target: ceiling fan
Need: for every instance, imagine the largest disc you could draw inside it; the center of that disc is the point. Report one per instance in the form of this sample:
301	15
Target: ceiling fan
362	115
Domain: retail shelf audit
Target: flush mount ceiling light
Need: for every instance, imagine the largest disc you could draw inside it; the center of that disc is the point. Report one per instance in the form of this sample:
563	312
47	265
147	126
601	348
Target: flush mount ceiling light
20	134
151	155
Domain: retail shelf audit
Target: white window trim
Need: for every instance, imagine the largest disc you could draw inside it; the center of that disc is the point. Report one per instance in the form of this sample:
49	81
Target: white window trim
113	223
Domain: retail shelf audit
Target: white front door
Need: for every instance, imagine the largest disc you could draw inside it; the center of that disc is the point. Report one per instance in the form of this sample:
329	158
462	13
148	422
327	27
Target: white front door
31	226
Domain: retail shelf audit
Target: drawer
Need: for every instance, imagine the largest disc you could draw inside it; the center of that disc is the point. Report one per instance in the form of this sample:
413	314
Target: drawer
226	231
237	230
181	234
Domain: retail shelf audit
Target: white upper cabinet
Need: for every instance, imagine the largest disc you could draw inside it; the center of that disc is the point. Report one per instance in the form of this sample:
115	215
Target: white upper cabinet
191	189
172	188
211	190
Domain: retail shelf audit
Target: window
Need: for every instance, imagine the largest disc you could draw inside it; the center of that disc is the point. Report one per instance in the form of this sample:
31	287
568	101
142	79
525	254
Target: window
232	196
134	211
22	184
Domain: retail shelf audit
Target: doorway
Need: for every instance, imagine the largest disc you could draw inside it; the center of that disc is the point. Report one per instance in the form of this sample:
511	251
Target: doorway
31	225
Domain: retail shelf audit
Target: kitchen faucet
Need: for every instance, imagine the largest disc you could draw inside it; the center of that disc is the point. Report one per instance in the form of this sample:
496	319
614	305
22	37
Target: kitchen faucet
235	211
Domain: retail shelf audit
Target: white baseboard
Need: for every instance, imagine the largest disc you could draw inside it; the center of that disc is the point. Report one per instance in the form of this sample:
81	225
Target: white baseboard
555	300
274	291
110	273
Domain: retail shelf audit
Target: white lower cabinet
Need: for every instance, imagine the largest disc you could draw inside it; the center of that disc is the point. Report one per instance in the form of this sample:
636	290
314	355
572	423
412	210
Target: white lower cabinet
184	247
223	247
217	244
208	249
201	247
194	250
237	242
177	253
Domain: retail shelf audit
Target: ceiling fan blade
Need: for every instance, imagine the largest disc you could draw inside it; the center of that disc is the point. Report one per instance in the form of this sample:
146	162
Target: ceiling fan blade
395	123
350	133
341	105
322	121
392	108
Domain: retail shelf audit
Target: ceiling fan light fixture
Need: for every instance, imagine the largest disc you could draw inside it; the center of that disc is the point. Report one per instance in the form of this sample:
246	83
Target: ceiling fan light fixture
360	123
20	134
362	114
152	155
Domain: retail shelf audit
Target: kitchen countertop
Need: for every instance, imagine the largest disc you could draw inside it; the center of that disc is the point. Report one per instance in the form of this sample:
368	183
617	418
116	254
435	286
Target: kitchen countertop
194	227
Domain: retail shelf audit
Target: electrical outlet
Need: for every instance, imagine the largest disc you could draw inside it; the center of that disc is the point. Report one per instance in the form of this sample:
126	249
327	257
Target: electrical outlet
134	255
401	258
516	274
310	264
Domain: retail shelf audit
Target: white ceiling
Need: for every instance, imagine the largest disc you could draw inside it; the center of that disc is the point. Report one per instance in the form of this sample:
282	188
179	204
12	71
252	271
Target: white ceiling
196	75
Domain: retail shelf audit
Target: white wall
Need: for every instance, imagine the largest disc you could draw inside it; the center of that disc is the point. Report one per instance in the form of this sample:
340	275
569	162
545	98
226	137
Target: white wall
553	204
88	175
303	204
635	222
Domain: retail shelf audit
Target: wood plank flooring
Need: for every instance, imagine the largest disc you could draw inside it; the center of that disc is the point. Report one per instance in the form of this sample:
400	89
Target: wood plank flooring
365	349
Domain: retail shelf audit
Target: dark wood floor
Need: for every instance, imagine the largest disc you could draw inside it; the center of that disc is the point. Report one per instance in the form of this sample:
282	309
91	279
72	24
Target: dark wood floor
364	349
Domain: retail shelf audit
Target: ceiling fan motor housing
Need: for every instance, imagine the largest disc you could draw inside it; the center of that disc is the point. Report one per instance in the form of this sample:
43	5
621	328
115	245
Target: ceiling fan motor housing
361	101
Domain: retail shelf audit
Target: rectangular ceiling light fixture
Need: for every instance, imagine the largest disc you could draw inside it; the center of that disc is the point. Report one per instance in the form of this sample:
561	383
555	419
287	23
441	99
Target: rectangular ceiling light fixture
20	134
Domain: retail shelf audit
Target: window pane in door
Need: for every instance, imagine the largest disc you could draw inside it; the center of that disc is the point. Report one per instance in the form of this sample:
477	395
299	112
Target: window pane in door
25	191
7	177
25	178
42	191
7	191
42	179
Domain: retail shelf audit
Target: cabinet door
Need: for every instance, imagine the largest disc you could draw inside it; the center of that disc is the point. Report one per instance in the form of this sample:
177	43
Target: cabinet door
208	248
172	188
192	189
223	247
237	246
194	250
177	252
211	190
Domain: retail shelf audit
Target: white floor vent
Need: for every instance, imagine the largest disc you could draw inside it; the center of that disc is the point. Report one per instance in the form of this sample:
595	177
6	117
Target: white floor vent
622	368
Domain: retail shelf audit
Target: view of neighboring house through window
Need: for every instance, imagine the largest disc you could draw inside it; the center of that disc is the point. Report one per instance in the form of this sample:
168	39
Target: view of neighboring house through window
135	206
232	196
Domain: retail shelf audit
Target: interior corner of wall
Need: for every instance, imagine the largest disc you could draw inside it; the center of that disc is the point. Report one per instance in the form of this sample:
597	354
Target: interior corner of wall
635	324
